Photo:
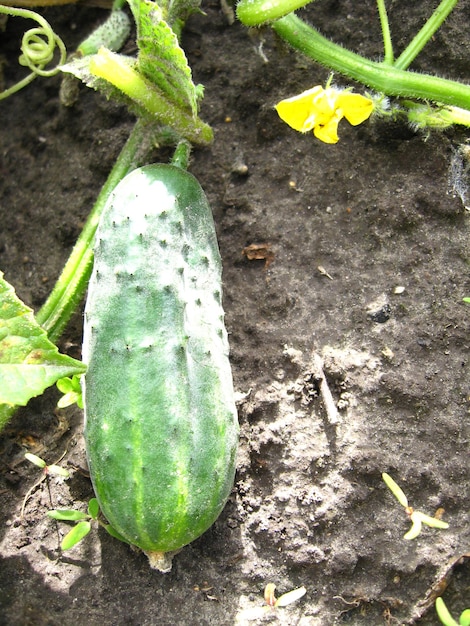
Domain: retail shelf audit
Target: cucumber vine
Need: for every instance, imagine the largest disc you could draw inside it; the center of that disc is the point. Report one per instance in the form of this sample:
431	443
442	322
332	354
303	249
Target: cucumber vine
38	47
166	103
389	77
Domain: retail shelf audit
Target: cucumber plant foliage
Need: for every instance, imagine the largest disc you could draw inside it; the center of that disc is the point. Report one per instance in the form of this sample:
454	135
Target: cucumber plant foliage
29	362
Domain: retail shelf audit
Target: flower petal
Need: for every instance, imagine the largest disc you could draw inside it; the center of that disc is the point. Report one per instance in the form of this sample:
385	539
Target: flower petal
325	105
328	133
299	111
355	108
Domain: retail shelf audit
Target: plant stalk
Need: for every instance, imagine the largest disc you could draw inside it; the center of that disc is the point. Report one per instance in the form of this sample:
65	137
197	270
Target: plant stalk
421	39
112	68
181	154
71	285
381	77
388	48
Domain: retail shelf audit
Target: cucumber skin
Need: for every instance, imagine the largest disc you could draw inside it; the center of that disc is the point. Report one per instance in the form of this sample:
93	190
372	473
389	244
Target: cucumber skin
161	427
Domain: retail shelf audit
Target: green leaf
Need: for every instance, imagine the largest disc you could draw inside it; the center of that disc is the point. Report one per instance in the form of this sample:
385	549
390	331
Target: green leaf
65	385
118	77
395	489
57	470
75	535
36	460
465	618
93	508
29	362
160	58
67	515
443	613
176	12
72	391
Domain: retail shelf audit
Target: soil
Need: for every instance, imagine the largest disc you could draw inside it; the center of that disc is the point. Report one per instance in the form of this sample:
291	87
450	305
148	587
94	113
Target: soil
368	243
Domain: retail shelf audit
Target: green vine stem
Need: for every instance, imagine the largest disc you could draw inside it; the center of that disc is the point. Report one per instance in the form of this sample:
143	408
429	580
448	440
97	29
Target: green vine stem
181	154
421	39
72	283
388	47
37	48
261	11
383	78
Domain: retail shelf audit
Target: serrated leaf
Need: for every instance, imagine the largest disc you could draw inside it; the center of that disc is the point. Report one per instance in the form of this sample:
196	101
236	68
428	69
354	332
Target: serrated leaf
176	12
75	535
67	515
29	362
160	58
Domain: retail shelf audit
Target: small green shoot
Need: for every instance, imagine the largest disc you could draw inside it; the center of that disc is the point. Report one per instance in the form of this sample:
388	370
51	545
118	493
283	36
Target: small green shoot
83	525
272	603
466	300
417	518
72	391
47	470
55	470
447	619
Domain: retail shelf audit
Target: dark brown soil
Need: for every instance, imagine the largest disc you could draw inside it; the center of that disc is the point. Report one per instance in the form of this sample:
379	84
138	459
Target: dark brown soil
377	212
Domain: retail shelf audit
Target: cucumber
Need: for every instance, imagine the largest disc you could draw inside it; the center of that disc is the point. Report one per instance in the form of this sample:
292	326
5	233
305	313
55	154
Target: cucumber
161	427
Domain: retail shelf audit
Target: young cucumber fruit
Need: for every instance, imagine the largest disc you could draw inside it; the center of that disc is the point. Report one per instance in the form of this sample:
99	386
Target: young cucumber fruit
161	427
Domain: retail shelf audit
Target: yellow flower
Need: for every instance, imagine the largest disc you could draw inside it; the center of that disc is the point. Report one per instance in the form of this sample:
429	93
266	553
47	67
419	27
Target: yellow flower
321	110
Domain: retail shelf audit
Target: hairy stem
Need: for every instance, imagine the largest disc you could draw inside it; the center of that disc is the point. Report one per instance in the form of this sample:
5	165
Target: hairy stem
381	77
421	39
388	48
112	68
181	154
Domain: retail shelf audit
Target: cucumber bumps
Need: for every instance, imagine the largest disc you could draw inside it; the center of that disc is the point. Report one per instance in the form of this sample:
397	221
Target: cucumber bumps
161	427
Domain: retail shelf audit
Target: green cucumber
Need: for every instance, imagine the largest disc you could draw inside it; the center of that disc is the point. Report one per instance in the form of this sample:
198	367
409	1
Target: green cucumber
161	427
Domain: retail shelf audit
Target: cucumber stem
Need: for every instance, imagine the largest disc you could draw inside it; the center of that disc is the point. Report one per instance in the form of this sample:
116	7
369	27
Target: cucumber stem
182	154
421	39
388	48
71	285
383	78
257	12
114	69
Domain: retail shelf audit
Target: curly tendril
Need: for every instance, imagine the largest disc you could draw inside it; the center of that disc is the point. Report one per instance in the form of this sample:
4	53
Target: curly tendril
38	47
